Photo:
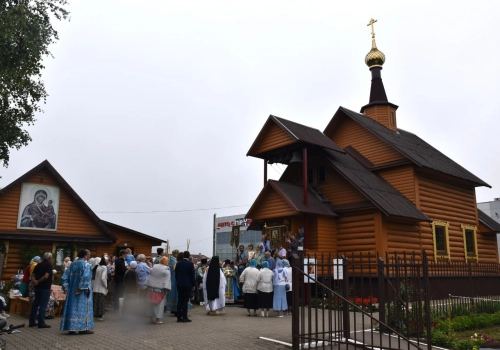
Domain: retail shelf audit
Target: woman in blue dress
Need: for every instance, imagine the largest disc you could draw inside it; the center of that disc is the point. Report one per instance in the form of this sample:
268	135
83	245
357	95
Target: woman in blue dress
173	296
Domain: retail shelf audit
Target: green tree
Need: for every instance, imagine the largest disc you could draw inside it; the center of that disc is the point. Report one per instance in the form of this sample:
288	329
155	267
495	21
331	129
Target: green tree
26	33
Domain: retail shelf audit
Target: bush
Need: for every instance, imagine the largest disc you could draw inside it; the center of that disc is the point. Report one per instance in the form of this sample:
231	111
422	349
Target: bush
443	331
441	339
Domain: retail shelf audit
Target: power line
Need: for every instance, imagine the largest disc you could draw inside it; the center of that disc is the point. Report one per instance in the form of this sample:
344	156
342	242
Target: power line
168	211
182	245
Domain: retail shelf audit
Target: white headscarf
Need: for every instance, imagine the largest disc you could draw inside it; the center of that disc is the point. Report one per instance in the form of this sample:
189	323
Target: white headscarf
94	262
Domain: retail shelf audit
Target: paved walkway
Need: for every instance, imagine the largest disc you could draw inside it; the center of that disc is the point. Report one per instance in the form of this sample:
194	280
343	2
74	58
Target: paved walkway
234	330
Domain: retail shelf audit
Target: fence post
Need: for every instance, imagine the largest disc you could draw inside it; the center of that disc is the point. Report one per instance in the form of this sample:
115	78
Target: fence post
427	301
381	291
471	284
295	301
345	293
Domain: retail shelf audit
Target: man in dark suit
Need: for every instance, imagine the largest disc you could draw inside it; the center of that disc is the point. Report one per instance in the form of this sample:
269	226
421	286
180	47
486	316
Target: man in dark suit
184	275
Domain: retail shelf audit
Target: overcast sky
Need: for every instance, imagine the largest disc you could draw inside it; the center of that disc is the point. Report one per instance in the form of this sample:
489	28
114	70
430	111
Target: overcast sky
154	104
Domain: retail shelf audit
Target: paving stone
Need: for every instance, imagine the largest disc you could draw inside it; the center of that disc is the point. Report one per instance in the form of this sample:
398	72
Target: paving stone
235	330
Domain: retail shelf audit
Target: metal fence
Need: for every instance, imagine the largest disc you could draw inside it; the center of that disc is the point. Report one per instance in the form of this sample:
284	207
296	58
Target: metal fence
362	300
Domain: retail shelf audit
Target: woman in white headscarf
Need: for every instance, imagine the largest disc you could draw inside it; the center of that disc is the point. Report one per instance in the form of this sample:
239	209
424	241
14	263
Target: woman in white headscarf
279	283
265	289
288	269
99	287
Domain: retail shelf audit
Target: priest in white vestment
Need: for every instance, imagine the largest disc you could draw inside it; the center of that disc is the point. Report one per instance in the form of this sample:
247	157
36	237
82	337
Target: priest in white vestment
214	289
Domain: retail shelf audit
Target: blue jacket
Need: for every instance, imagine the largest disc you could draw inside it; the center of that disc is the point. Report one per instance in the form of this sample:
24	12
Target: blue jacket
184	273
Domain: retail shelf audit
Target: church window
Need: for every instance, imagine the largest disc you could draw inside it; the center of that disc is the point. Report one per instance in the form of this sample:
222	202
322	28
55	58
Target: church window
441	239
470	241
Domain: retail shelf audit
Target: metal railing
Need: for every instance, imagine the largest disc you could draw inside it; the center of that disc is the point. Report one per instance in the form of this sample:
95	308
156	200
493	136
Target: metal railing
359	302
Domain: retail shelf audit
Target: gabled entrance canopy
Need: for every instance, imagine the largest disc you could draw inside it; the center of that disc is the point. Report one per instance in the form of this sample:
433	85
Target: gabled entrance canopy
278	133
278	199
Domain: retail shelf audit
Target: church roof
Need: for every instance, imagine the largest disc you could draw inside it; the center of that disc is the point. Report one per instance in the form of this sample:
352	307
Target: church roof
299	133
412	147
375	188
307	134
488	221
72	193
110	224
293	195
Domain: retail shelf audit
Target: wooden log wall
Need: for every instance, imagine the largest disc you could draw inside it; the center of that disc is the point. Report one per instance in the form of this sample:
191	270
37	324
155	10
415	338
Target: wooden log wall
403	237
402	179
457	205
14	256
382	114
356	233
312	234
72	219
296	222
485	242
338	190
327	234
350	133
272	138
273	206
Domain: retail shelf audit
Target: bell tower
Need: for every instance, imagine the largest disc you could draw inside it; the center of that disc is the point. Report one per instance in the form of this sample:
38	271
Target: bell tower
378	108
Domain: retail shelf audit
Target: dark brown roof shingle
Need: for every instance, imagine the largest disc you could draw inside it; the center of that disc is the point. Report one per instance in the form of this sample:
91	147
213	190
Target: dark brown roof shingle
294	196
415	149
488	221
307	134
375	188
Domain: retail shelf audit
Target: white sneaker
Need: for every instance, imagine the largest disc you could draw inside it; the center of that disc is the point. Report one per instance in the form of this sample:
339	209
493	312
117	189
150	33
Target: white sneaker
4	314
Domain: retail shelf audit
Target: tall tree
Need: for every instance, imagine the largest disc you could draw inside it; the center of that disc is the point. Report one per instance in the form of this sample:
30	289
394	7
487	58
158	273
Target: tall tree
26	33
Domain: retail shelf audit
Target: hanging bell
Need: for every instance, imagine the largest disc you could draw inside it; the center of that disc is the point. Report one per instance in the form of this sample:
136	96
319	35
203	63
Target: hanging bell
296	158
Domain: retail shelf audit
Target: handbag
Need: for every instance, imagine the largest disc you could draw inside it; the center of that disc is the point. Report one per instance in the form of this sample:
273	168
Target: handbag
287	287
154	297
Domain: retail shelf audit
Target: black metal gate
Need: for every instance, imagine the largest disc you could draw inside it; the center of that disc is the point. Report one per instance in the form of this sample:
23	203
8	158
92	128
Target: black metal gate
360	301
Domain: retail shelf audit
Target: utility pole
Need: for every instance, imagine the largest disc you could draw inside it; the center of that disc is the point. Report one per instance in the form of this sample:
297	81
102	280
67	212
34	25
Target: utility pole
213	249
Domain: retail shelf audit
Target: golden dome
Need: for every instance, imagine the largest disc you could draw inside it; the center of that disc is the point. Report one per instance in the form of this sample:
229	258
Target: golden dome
374	58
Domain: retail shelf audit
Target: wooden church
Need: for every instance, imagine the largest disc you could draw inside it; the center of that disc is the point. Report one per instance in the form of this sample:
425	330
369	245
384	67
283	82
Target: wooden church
364	185
41	212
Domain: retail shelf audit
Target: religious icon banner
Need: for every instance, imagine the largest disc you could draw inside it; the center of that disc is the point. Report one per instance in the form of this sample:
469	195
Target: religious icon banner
38	207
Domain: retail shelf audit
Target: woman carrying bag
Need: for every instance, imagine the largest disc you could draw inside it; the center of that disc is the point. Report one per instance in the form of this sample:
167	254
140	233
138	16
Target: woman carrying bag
158	284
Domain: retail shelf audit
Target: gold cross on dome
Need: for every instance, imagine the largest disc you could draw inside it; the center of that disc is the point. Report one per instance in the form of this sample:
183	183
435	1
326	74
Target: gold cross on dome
372	21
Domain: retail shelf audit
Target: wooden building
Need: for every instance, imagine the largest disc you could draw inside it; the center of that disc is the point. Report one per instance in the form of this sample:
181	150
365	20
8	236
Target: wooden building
40	212
364	185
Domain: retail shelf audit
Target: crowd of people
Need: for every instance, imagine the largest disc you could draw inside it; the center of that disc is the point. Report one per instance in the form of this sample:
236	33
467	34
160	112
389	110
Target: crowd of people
135	285
262	275
131	285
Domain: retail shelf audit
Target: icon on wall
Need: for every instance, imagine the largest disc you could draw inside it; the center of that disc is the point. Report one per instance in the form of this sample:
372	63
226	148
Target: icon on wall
38	207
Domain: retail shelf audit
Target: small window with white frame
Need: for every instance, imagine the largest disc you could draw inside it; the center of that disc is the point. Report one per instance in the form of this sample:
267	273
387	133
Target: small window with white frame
441	239
470	241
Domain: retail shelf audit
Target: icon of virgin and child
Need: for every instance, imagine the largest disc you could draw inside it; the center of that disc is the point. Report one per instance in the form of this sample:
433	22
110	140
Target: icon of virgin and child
39	215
